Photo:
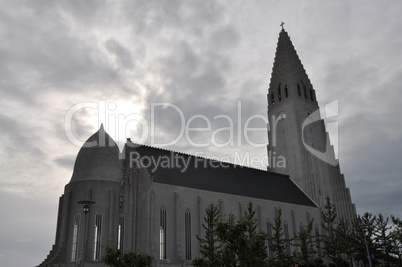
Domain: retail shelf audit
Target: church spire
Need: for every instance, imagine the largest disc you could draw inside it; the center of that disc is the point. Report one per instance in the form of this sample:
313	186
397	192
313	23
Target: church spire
289	77
288	68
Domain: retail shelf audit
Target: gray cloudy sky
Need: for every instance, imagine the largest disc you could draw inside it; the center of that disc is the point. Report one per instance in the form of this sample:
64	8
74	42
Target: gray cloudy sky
203	57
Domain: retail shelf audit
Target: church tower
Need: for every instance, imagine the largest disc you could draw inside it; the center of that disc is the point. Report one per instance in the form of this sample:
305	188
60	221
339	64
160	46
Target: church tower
298	142
96	177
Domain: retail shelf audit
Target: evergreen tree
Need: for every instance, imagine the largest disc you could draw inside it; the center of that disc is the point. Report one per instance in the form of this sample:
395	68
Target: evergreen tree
304	240
243	244
364	228
329	217
383	241
396	239
343	242
278	243
336	237
227	232
382	238
209	246
256	241
114	258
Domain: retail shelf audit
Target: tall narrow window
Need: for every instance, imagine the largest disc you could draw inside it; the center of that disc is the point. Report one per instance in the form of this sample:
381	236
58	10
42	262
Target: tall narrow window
286	91
272	99
311	94
120	234
286	230
75	237
317	239
98	235
279	93
162	234
305	91
187	230
298	90
269	232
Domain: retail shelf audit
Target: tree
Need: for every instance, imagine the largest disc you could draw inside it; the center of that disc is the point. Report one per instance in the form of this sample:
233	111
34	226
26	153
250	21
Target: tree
343	241
277	242
305	241
382	238
114	258
364	228
243	245
336	237
226	231
384	241
396	239
209	246
329	217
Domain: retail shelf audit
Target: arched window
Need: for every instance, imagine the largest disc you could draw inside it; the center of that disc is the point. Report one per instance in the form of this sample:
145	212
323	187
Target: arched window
286	91
120	234
269	232
98	235
298	90
279	92
76	228
187	229
272	99
286	230
162	234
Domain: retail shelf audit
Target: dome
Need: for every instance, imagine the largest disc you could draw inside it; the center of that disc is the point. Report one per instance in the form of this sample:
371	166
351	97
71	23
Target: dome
98	159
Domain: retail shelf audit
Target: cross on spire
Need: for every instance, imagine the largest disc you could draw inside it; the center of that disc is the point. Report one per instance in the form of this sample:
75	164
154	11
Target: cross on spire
282	24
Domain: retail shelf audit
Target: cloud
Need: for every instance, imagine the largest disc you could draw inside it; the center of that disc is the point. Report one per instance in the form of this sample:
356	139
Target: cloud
66	162
122	55
16	138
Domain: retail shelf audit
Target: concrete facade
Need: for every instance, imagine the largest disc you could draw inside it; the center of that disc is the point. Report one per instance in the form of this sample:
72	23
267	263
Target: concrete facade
295	125
139	199
139	209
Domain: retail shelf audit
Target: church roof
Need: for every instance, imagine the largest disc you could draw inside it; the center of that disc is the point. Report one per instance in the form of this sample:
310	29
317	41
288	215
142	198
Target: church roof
168	167
98	159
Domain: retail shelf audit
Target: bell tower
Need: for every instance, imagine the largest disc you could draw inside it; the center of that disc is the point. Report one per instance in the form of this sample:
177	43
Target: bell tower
299	145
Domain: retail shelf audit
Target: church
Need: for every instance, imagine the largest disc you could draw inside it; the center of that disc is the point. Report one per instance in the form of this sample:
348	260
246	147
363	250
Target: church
133	204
